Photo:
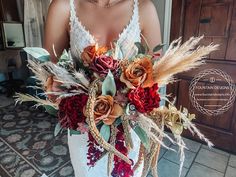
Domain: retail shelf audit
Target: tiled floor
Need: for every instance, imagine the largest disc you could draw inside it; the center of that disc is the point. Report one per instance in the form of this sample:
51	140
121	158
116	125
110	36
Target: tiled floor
200	161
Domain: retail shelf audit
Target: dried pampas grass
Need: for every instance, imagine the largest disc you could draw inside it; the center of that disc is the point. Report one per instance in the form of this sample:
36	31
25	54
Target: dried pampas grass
179	58
20	98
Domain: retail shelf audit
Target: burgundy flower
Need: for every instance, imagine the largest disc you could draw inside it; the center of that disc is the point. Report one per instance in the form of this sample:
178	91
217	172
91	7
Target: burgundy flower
121	168
145	99
71	111
94	151
102	64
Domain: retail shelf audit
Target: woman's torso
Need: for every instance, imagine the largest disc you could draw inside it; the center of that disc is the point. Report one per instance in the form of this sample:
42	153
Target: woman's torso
103	29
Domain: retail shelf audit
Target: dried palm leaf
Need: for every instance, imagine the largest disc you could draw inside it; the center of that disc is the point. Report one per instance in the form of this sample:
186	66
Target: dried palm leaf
41	74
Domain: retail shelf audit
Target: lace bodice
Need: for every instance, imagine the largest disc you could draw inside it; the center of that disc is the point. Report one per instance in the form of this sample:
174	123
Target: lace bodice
81	38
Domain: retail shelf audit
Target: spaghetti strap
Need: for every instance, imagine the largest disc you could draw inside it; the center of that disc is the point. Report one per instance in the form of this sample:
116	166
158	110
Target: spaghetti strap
72	11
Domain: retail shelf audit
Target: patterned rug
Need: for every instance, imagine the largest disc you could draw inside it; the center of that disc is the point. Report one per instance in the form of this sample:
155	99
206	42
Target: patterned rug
28	147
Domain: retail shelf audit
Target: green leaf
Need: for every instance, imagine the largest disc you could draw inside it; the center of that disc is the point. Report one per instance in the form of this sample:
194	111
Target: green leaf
38	53
105	132
64	57
118	52
142	49
158	47
109	53
57	129
118	122
74	132
142	136
109	85
50	110
127	109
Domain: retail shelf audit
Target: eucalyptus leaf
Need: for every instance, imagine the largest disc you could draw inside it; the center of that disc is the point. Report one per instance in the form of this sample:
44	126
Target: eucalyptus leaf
64	57
118	122
109	53
50	110
141	48
57	129
74	132
109	85
38	53
118	52
142	136
158	47
105	132
127	109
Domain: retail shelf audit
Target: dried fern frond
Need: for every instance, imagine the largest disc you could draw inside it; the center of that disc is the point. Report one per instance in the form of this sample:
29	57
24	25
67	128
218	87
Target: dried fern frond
179	58
20	98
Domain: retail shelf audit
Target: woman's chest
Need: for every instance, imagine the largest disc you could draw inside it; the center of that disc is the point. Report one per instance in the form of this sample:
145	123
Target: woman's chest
105	24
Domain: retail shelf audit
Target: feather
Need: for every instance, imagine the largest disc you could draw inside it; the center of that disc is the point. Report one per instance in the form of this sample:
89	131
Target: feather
179	58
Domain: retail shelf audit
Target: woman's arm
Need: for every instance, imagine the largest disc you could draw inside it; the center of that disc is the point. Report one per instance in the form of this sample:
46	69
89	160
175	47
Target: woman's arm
56	29
149	23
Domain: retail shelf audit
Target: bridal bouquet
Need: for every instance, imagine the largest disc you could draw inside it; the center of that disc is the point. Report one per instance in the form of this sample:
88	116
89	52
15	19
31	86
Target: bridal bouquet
107	94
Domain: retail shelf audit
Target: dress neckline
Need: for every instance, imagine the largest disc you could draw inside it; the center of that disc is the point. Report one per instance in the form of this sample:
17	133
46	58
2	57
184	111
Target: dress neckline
92	37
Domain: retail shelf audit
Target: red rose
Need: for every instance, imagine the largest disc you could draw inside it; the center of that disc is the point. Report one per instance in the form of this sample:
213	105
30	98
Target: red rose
71	111
103	64
145	99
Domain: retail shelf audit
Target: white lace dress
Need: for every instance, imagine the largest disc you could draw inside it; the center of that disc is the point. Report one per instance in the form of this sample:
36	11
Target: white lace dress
79	39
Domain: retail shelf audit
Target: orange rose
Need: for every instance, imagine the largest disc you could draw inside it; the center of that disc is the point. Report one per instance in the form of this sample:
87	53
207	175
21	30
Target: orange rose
106	109
138	73
91	52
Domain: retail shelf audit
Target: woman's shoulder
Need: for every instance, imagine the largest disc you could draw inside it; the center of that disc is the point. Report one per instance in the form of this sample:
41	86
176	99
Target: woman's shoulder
147	11
60	6
147	6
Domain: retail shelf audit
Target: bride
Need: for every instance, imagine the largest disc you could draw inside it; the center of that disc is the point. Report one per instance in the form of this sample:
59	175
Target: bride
76	24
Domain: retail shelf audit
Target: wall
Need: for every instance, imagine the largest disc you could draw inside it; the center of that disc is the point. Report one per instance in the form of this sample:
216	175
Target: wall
164	12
